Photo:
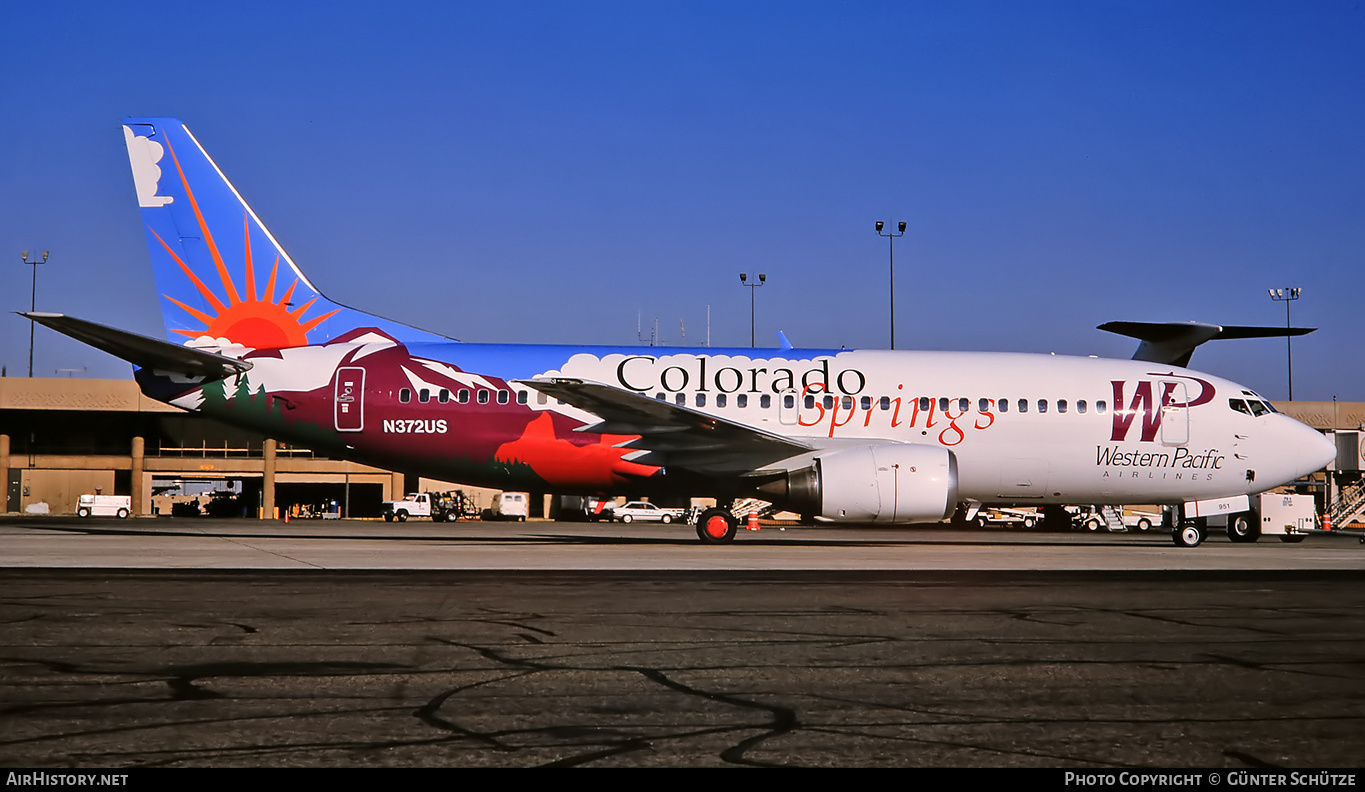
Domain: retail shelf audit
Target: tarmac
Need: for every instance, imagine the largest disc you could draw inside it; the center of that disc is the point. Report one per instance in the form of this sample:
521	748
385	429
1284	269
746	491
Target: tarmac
204	643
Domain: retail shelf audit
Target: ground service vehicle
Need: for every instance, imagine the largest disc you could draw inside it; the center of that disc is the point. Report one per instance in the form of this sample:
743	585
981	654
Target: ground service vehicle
104	506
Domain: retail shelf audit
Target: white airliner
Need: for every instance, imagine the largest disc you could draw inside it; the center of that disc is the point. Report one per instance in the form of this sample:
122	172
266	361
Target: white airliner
866	436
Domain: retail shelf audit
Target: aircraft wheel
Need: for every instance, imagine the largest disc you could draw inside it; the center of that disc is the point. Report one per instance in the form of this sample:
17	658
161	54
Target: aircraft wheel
402	516
625	518
1144	524
668	518
716	526
1292	539
1243	527
123	514
82	512
1188	535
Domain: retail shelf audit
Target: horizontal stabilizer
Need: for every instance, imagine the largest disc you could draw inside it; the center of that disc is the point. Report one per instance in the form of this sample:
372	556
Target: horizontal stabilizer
1174	342
140	350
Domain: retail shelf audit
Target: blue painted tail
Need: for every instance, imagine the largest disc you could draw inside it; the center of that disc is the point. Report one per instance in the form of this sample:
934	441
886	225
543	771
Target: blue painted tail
223	278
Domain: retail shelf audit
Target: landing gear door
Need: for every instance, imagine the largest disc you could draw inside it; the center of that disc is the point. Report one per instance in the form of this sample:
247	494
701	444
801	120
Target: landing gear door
348	399
1175	414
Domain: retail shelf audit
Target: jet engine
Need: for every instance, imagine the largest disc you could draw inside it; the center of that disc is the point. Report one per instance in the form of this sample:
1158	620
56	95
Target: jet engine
885	483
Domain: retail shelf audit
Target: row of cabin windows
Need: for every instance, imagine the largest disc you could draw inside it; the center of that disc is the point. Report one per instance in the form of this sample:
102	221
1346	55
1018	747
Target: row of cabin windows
884	403
462	396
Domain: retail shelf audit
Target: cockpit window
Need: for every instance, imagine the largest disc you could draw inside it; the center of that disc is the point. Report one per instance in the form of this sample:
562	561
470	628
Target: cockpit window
1258	408
1271	407
1239	405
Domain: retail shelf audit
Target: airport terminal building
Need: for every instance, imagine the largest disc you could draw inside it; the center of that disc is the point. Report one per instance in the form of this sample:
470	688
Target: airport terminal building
61	438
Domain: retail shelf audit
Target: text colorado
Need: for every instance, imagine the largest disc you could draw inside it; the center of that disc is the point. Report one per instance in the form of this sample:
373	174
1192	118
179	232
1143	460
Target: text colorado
643	373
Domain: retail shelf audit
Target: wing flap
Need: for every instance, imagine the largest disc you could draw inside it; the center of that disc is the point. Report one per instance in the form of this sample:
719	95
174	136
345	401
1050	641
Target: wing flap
671	435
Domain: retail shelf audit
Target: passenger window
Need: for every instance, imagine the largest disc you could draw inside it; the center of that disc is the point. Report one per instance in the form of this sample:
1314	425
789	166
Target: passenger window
943	404
720	400
540	398
984	405
810	402
443	396
867	402
661	396
1061	405
404	395
1023	405
765	401
483	397
463	396
1042	405
1081	407
884	402
788	401
1004	405
963	405
847	402
829	402
924	402
424	395
503	396
742	401
680	399
1100	407
701	400
521	397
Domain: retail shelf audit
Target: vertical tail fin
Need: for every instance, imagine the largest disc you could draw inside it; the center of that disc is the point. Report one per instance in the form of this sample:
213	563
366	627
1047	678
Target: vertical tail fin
223	278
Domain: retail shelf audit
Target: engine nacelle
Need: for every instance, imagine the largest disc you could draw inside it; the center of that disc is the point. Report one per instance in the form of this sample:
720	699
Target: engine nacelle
886	483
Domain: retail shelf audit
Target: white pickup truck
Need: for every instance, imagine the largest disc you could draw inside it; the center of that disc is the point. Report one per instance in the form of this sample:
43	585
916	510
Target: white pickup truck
416	504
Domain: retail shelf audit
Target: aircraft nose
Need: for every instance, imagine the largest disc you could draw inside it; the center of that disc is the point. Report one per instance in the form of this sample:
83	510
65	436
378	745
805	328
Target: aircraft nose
1309	449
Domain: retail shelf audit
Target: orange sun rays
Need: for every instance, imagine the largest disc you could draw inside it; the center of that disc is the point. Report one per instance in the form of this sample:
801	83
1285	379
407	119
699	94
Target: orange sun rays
256	321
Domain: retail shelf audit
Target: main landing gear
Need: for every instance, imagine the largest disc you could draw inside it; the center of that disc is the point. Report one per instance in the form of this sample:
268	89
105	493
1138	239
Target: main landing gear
715	526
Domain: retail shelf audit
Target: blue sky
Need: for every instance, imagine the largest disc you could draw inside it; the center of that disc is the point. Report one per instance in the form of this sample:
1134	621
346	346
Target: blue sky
558	171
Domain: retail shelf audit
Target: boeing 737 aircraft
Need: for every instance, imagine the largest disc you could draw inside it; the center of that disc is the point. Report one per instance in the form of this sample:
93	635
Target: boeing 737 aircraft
867	436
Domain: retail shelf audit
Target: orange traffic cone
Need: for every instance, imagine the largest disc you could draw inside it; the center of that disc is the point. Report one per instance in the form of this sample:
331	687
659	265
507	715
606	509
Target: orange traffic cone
286	518
753	520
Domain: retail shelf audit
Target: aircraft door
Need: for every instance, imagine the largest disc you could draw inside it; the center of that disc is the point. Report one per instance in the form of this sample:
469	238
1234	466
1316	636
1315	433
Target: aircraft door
1175	414
348	399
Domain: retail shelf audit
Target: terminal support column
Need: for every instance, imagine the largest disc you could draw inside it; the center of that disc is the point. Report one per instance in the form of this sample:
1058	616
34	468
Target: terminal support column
268	482
140	505
4	475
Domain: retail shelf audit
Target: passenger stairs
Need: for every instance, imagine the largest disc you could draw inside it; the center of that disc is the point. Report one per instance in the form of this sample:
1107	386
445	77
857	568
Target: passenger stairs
1112	518
1349	505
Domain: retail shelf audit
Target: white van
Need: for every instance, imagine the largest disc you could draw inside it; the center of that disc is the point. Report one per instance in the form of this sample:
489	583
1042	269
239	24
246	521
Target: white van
105	506
509	506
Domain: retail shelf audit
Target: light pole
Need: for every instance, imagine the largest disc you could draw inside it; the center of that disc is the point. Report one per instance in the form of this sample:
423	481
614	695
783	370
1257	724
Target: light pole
891	240
1287	296
744	279
32	304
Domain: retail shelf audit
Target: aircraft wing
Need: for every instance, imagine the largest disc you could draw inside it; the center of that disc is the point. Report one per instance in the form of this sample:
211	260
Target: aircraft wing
1174	342
672	435
141	350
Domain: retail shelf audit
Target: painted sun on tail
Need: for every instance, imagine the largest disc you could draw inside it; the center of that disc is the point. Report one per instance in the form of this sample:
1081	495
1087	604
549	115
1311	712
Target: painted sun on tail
257	321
